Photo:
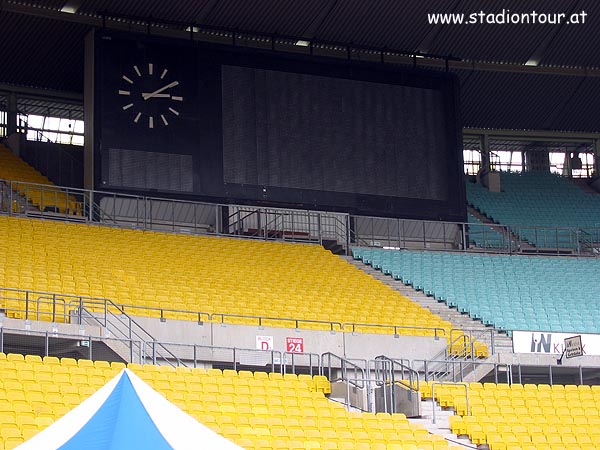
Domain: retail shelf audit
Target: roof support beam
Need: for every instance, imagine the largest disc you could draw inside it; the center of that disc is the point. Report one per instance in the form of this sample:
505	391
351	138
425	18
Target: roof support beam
532	135
206	10
313	28
136	27
427	42
538	54
75	98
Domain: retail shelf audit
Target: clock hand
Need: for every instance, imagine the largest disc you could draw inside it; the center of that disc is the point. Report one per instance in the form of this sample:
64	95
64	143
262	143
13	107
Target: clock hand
146	96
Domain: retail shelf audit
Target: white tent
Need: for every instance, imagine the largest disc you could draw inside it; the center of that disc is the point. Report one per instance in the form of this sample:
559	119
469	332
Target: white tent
127	414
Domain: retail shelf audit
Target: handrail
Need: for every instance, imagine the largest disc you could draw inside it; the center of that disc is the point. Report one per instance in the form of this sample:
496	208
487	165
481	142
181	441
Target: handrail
393	233
437	331
345	366
80	305
83	303
275	359
55	334
456	370
132	327
413	375
385	374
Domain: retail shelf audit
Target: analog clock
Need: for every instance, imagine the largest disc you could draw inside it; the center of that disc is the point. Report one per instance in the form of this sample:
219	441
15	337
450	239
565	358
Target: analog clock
149	95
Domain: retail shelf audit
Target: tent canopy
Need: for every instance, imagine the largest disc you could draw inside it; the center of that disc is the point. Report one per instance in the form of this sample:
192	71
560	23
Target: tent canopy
127	414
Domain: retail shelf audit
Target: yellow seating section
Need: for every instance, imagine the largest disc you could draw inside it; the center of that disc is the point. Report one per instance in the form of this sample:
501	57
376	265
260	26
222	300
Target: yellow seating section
13	168
524	417
153	270
256	410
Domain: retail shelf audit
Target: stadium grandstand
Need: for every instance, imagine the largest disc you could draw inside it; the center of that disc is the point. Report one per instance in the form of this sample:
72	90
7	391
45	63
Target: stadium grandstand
318	225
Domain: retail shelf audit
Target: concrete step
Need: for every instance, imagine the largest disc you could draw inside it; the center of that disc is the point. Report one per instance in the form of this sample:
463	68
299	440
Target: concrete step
485	219
442	424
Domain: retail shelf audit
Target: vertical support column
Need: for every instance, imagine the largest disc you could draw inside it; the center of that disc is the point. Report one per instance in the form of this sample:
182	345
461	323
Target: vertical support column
596	158
485	154
485	168
88	111
568	165
11	114
222	226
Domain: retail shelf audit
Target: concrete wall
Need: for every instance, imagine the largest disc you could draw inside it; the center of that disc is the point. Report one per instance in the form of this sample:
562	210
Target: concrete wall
350	345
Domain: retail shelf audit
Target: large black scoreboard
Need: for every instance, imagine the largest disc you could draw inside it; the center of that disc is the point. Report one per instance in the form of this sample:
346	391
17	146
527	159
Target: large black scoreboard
191	120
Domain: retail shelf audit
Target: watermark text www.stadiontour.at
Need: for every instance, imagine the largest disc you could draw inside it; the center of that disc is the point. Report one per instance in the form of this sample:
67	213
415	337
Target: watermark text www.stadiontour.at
506	17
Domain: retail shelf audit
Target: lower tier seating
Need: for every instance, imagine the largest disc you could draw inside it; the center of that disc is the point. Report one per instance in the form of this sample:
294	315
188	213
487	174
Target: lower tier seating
509	292
258	411
524	417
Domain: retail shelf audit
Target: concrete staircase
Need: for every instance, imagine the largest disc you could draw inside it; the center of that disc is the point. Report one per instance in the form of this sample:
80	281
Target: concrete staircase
441	425
501	342
516	243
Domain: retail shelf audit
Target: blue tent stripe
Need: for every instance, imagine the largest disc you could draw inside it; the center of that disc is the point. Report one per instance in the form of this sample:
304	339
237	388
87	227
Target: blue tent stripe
121	423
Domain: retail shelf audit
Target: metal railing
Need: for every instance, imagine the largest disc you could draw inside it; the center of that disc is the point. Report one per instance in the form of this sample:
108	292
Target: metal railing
53	307
117	318
55	343
389	373
461	349
337	368
194	355
292	361
156	213
457	370
436	332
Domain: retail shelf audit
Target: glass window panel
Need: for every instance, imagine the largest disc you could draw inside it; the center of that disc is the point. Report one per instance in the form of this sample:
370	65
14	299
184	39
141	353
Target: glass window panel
34	121
77	140
78	128
52	123
557	162
66	125
52	137
472	161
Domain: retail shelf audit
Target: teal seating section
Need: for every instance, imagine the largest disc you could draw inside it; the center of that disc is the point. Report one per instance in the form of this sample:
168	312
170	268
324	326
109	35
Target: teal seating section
537	205
484	236
558	294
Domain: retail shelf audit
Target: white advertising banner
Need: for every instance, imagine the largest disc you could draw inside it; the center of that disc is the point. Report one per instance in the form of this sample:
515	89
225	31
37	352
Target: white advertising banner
548	343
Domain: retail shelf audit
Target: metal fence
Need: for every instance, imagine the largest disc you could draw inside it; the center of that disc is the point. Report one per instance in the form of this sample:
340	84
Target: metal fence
119	320
77	346
154	213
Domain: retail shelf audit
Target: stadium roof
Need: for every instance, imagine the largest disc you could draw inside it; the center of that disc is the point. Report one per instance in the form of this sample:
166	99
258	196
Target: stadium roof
513	76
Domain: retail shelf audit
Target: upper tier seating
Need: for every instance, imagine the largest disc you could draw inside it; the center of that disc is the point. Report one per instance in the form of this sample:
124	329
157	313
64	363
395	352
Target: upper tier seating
255	410
525	417
538	199
509	292
13	168
153	270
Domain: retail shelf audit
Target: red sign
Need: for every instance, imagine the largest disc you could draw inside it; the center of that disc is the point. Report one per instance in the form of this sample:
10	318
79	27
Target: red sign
294	345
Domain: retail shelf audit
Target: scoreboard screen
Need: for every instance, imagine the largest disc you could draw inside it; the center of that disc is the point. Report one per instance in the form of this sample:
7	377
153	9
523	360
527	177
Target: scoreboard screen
194	121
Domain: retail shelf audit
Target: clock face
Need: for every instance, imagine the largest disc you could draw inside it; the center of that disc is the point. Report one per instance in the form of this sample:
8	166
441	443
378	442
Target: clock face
150	95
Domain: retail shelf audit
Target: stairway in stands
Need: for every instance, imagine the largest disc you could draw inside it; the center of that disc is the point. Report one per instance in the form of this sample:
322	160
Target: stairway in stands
522	245
441	426
502	343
